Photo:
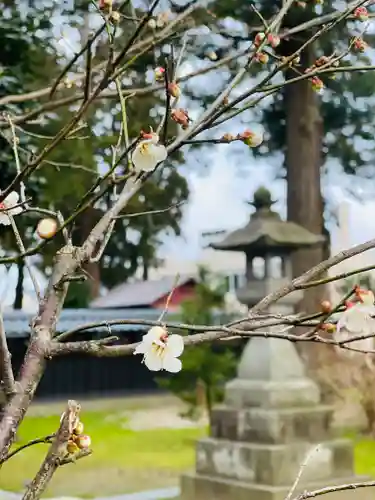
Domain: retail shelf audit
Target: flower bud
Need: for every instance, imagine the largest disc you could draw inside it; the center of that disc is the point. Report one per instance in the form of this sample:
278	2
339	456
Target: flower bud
83	442
212	55
361	14
251	139
115	17
273	40
181	117
46	228
151	24
326	306
261	57
317	84
72	447
359	45
68	83
174	90
159	73
328	327
296	60
162	19
259	38
322	61
78	428
227	137
105	4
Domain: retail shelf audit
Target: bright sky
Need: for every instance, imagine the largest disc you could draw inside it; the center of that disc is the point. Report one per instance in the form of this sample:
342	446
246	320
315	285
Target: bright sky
218	198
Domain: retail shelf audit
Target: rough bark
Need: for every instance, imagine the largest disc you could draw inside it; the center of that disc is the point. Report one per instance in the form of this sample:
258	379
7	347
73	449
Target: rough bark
303	165
35	359
57	452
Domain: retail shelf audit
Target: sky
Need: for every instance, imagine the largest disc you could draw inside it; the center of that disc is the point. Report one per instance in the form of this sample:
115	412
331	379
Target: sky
218	197
222	178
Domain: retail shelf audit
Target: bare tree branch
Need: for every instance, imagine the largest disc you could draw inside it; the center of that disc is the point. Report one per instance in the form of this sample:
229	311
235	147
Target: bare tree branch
6	370
57	452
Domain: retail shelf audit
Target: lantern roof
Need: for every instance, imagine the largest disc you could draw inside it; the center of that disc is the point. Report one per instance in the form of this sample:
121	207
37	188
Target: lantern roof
267	231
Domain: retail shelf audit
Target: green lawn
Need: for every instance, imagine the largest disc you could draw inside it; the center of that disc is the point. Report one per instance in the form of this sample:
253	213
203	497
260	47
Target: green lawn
365	456
122	461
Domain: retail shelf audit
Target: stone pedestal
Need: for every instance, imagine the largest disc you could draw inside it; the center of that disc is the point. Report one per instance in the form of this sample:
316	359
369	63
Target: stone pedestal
270	420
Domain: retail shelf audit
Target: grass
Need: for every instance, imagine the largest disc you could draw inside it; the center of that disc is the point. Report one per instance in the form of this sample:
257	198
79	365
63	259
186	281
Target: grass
123	460
364	456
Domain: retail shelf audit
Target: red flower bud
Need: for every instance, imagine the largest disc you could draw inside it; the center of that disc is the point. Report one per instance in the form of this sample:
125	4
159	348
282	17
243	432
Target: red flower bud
361	13
174	90
326	306
259	38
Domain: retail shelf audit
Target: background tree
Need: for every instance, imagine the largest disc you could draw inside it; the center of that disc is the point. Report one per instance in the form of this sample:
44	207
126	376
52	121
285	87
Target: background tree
206	367
73	166
312	133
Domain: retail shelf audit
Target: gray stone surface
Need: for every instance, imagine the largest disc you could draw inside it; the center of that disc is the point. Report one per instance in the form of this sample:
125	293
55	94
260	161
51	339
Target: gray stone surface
268	425
270	421
200	487
271	374
272	418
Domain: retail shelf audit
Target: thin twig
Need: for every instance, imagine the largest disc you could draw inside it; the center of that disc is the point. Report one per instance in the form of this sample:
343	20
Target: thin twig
307	459
23	250
332	489
44	440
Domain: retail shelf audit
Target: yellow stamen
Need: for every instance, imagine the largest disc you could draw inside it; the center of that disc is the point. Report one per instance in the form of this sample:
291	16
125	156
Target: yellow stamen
143	148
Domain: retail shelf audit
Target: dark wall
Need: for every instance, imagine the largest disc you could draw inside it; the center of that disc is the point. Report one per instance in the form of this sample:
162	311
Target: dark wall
78	375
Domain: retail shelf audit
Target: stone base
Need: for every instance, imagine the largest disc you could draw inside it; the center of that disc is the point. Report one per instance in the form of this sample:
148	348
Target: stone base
201	487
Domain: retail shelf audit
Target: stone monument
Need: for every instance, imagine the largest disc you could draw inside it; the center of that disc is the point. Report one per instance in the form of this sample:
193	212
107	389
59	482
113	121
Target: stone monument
272	417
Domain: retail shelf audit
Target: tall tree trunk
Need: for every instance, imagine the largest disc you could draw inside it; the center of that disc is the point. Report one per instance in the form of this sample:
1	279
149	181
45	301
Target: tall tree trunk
303	164
18	299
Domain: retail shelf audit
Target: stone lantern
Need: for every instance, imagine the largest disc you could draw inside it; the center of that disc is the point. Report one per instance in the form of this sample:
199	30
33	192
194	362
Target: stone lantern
272	416
268	243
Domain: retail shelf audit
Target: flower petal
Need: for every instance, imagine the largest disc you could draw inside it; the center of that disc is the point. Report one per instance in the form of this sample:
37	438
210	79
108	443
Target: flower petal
354	319
155	333
141	348
171	364
159	152
175	345
15	211
4	219
153	362
11	199
142	160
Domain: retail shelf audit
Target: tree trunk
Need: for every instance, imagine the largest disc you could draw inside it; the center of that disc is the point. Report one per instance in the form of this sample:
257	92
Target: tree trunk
18	299
85	222
303	165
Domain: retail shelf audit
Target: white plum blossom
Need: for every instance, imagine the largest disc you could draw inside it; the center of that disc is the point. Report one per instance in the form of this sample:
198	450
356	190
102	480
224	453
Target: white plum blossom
358	319
148	153
160	350
10	201
252	138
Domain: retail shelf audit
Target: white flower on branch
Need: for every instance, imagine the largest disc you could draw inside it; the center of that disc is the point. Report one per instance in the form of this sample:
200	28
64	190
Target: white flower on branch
9	204
358	319
148	153
160	350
